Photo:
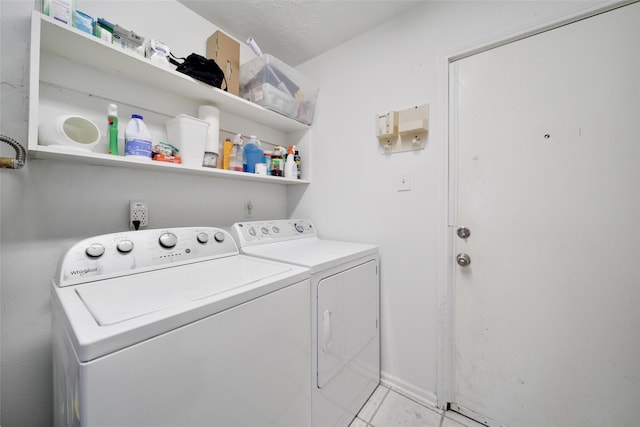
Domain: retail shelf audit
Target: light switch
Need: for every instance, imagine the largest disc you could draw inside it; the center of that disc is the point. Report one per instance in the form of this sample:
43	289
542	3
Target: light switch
403	182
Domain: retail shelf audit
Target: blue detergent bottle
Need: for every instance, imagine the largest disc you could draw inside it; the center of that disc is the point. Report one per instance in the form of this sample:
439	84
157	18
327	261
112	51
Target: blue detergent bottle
253	154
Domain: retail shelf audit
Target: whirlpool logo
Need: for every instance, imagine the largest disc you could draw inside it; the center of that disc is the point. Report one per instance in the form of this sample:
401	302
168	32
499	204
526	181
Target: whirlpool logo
83	272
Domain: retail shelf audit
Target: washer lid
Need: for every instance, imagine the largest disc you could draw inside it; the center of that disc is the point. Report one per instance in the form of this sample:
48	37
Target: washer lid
117	300
314	253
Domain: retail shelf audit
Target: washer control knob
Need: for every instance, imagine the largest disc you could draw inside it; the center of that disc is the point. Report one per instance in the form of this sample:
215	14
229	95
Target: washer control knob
95	250
299	228
168	240
275	229
264	230
125	246
202	237
252	231
219	237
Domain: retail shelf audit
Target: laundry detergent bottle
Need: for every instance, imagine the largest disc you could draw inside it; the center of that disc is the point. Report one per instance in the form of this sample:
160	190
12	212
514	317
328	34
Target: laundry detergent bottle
137	139
253	154
290	167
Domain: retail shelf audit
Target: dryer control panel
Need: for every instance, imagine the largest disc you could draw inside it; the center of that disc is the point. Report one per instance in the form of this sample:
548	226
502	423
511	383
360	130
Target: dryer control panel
260	232
131	252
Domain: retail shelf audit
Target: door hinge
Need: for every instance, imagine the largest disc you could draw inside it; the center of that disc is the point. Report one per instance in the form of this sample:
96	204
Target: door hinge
453	406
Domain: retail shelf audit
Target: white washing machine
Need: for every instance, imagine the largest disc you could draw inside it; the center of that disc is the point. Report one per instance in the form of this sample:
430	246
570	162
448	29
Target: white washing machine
174	328
344	311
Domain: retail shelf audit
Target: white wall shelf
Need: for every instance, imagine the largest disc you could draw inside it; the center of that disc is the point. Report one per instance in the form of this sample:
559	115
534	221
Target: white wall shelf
100	159
50	39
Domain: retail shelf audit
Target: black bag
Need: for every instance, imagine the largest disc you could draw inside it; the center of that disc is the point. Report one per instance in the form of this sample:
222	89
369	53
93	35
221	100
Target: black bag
201	68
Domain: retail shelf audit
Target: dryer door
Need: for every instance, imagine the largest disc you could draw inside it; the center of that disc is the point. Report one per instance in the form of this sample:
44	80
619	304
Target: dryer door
347	319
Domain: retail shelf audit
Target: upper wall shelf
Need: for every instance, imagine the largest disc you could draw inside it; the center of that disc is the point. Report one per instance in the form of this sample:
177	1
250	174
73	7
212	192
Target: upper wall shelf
52	39
78	46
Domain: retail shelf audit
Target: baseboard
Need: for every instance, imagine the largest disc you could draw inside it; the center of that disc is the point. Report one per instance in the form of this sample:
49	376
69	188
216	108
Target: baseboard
409	390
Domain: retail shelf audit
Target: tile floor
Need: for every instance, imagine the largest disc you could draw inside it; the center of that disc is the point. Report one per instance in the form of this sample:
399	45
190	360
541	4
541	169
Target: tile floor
388	408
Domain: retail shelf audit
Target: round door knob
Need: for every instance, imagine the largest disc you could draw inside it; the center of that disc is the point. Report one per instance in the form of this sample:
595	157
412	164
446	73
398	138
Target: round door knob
463	232
463	260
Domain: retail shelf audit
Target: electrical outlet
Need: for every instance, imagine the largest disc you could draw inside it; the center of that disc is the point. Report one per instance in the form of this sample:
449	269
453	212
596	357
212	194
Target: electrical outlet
139	213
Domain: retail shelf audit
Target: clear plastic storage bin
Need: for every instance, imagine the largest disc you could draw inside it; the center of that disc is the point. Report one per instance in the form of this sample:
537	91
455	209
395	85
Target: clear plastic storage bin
269	82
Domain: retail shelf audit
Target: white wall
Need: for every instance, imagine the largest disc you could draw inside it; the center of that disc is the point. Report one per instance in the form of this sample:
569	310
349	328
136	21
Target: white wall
353	194
49	205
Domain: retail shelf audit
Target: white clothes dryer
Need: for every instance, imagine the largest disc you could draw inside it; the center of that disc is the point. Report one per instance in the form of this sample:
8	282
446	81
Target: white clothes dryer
344	311
175	327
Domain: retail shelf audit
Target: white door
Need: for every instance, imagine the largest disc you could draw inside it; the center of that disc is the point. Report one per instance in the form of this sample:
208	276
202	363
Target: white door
546	136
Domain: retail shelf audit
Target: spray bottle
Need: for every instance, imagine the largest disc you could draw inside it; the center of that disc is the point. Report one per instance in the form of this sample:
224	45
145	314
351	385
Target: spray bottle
290	167
112	118
292	149
236	158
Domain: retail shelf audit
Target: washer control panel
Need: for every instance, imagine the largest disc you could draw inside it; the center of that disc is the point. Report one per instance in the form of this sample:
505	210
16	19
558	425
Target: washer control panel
119	254
260	232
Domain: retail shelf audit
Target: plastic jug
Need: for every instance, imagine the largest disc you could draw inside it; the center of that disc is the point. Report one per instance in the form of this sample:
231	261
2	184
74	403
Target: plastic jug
137	140
253	154
290	168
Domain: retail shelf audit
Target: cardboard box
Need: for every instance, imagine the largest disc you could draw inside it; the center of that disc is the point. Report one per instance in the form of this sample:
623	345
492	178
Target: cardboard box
103	29
127	39
61	10
84	22
226	52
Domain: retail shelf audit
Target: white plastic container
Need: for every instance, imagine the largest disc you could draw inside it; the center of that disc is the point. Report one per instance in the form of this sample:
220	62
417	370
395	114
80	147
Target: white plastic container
69	131
211	115
269	82
137	139
189	134
290	168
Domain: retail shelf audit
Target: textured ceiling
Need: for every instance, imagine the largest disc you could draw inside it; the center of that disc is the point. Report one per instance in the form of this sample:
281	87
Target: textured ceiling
295	31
